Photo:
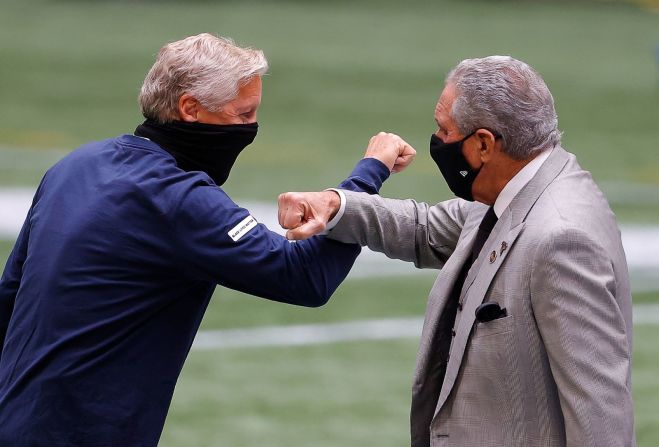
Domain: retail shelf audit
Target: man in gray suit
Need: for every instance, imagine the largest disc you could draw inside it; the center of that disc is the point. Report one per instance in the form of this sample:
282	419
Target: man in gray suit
528	328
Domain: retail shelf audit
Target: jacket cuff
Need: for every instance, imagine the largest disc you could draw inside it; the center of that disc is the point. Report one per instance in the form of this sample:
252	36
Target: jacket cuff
369	174
339	214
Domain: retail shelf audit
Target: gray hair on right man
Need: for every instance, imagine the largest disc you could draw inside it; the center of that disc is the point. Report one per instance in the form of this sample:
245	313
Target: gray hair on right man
506	96
211	69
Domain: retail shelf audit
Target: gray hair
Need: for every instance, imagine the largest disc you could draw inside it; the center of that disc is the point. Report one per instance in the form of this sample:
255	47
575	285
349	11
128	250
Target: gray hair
508	97
211	69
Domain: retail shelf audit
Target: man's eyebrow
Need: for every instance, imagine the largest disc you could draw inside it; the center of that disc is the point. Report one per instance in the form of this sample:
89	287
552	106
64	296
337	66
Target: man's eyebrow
247	107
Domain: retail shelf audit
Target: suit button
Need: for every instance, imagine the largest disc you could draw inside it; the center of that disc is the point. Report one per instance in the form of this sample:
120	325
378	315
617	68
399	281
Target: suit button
460	305
452	332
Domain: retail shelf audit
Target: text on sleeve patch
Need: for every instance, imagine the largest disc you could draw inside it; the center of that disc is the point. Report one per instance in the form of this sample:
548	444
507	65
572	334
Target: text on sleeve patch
242	228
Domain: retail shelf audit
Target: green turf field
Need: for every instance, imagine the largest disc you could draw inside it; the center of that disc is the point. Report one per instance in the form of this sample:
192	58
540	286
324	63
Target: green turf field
340	72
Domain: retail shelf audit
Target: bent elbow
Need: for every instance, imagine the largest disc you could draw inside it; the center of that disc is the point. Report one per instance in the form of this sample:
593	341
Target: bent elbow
319	299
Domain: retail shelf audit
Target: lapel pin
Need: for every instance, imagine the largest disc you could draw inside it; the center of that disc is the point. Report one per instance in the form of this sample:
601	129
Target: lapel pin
504	247
493	256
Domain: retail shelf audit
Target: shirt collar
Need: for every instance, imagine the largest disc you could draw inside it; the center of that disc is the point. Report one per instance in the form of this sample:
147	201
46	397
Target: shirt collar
515	185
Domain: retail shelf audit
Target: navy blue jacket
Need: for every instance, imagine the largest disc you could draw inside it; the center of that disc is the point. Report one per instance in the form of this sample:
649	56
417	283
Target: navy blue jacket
109	279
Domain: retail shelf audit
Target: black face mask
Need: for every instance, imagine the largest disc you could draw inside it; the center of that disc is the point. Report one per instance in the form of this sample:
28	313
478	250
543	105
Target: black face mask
454	167
211	148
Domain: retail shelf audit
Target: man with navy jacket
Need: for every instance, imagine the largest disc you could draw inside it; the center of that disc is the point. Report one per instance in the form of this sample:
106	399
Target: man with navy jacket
124	244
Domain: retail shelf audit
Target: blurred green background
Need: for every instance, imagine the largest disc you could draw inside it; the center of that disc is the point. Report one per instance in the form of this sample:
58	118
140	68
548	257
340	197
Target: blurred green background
340	71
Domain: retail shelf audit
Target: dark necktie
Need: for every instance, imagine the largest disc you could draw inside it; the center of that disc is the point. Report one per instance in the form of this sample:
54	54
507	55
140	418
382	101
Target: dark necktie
454	304
484	230
445	333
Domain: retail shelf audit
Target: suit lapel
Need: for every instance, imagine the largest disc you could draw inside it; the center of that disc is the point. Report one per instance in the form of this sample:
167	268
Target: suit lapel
473	294
438	296
490	260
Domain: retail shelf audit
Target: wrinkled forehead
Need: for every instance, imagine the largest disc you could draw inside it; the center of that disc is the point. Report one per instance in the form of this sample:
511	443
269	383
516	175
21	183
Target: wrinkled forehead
444	104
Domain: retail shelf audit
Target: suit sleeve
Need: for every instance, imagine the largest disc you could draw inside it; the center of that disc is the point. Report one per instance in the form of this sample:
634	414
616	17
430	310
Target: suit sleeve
11	279
257	260
573	298
402	229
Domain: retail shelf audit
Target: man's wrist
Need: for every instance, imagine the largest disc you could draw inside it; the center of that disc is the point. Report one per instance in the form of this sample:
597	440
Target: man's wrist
387	163
340	210
367	176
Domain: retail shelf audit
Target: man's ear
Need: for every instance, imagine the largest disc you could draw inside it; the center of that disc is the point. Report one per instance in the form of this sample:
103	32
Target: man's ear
487	144
188	108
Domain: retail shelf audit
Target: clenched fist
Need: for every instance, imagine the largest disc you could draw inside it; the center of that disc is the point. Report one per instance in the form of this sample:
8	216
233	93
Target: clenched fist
391	150
305	214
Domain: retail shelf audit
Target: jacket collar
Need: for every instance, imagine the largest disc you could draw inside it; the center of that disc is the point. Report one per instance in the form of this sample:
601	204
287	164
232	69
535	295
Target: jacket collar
530	193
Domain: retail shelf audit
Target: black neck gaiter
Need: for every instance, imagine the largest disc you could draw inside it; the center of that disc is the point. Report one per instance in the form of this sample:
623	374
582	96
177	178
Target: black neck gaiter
211	148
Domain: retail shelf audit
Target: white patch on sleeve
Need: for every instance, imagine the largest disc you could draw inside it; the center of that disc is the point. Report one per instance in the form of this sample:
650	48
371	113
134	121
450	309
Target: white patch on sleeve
242	228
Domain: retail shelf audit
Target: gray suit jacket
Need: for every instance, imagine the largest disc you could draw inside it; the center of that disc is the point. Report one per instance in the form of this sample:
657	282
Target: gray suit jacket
556	370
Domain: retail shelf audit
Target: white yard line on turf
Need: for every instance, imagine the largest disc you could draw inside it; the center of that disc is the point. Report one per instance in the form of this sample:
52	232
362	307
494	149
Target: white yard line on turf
309	334
315	334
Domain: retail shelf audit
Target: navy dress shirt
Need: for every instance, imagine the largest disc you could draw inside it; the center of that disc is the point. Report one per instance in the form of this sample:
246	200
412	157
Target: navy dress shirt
109	279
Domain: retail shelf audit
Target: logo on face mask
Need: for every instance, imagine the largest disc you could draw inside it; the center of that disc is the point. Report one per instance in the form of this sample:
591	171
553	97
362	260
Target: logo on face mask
464	173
